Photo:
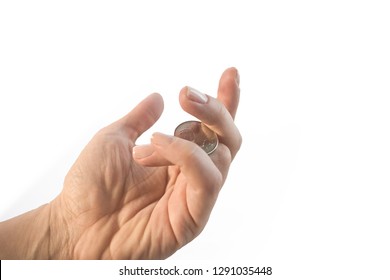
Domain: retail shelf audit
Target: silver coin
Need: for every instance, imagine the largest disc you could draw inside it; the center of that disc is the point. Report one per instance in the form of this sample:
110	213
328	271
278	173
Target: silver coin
198	133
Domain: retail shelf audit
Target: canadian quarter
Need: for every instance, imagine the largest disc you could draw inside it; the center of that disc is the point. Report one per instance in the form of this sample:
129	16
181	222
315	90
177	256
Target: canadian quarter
198	133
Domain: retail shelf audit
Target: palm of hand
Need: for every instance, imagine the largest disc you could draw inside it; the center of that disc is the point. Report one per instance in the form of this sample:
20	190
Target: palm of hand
122	210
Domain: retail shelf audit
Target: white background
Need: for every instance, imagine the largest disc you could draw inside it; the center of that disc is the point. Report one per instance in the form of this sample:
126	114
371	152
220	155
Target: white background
309	188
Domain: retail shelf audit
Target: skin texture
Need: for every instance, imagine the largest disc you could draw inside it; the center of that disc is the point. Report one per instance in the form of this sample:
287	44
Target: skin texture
122	201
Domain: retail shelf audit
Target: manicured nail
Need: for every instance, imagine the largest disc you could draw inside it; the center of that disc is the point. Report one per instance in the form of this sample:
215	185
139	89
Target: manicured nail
142	151
196	95
161	139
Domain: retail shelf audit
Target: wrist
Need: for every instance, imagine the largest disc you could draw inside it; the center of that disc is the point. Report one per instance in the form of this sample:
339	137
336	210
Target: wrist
58	233
38	234
26	236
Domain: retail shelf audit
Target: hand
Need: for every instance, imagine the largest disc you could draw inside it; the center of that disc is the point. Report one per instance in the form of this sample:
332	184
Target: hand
122	201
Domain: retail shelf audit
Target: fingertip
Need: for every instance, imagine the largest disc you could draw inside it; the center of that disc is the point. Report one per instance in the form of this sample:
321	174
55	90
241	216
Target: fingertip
143	116
182	95
189	101
232	72
162	140
142	151
146	155
158	101
229	90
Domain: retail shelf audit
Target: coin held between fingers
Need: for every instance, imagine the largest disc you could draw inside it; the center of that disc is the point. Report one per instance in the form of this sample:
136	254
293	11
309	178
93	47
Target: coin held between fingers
198	133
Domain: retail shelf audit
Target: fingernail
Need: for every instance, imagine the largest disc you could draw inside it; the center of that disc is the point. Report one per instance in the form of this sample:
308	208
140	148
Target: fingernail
196	95
161	139
142	151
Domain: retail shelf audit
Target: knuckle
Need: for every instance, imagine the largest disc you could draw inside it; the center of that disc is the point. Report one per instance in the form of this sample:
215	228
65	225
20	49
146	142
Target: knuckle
225	155
239	141
187	150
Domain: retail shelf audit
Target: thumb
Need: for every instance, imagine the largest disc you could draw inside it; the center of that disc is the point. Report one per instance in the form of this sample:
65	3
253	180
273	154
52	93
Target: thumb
143	116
